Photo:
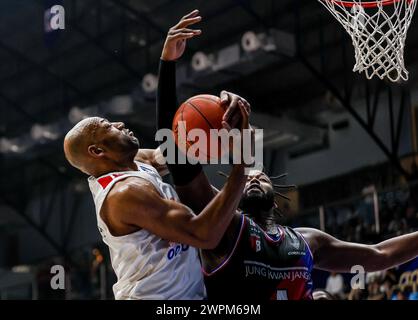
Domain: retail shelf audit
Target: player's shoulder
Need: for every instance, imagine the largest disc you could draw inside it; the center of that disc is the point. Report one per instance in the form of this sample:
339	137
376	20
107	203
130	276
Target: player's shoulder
132	187
313	237
306	232
297	233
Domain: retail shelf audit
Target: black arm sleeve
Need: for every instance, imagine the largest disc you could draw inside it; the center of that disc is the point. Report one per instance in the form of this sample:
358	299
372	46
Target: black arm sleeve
166	109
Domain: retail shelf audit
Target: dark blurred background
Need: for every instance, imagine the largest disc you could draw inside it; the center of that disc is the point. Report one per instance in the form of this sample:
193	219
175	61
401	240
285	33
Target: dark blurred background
348	143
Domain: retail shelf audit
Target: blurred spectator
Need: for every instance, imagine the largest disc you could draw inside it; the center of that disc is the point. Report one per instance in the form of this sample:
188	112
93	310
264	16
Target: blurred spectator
96	264
414	294
97	261
411	216
359	232
406	291
374	276
374	292
413	178
356	294
390	275
398	224
335	284
395	292
400	295
386	289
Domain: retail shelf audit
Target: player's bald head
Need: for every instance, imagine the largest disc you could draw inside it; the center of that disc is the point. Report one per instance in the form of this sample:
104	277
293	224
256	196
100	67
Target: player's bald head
78	139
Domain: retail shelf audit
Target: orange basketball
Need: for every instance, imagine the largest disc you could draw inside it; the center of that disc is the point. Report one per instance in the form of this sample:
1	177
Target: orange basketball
203	112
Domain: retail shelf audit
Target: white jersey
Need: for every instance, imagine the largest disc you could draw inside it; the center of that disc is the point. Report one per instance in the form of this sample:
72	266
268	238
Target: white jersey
146	266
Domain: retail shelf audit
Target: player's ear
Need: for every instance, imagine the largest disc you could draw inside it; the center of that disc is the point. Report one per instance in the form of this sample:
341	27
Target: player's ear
95	151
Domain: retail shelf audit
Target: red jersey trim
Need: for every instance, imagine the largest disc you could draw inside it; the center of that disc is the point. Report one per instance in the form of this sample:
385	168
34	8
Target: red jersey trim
104	181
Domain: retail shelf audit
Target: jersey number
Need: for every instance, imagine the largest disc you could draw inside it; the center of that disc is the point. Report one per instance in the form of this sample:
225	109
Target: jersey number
257	245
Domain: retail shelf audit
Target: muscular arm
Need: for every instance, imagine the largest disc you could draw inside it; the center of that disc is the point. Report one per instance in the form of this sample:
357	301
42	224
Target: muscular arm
332	254
138	204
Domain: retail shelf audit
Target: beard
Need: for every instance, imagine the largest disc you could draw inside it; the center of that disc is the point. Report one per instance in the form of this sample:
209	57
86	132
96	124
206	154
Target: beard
130	143
126	145
254	203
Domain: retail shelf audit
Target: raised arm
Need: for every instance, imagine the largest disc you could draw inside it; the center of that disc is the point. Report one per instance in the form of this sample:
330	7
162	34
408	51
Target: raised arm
138	204
187	177
332	254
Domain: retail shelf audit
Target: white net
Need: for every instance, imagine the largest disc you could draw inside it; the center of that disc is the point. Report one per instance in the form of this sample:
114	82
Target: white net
378	31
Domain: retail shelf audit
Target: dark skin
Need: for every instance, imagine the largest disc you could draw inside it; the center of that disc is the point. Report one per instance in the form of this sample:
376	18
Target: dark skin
97	147
330	254
257	185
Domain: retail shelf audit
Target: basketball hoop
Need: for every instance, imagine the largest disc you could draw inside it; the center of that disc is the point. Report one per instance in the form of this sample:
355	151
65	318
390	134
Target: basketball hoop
378	31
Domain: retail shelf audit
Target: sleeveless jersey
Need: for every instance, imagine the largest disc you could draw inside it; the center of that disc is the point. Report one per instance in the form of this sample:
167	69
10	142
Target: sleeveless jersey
146	266
263	267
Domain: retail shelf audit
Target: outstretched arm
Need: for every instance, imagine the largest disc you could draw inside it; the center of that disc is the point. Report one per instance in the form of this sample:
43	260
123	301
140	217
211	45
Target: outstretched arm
332	254
188	178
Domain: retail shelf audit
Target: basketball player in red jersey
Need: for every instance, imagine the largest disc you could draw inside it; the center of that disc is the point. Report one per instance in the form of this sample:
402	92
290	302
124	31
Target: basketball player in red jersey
257	258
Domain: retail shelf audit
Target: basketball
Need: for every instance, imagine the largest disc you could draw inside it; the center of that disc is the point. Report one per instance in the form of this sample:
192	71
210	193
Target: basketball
203	112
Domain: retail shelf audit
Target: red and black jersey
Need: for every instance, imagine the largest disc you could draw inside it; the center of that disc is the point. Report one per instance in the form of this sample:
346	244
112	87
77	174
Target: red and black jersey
263	266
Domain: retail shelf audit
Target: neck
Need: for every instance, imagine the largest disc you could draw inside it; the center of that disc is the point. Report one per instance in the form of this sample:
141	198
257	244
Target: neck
265	220
114	167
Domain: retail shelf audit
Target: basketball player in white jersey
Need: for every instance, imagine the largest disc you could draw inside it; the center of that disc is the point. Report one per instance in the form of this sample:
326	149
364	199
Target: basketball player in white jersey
151	236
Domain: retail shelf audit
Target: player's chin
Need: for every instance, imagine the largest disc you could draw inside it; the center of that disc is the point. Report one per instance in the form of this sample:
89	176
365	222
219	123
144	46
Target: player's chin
254	196
134	142
254	192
